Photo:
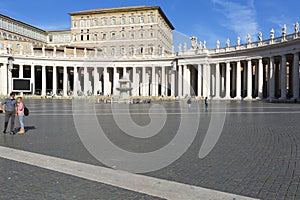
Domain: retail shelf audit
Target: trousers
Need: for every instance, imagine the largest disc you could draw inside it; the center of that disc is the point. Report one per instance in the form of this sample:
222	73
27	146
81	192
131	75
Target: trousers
10	115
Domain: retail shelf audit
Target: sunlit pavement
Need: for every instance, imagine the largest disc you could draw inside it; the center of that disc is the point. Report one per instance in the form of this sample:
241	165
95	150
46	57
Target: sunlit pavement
256	155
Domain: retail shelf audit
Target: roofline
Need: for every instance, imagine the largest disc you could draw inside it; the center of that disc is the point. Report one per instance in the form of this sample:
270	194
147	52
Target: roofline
124	9
1	15
65	30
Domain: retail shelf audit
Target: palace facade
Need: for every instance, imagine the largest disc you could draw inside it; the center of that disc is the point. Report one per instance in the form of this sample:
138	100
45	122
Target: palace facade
135	43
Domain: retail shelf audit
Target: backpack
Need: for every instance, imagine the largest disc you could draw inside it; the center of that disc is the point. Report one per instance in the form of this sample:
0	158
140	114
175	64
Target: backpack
26	111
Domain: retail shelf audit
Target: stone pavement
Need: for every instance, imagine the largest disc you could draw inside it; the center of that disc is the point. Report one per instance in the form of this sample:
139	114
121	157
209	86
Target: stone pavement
256	156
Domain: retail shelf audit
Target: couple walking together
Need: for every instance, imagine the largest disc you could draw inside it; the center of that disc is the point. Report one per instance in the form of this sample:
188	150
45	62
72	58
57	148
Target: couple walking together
11	108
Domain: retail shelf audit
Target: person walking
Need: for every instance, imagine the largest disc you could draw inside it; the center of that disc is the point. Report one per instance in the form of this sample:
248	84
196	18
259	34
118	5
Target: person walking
9	109
189	102
206	104
20	113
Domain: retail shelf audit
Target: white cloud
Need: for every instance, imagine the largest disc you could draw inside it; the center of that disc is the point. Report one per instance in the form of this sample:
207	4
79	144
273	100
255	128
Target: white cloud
241	18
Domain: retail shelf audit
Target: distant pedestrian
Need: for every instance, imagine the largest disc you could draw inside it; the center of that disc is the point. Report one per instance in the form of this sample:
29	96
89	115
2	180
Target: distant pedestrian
206	104
189	102
20	113
9	109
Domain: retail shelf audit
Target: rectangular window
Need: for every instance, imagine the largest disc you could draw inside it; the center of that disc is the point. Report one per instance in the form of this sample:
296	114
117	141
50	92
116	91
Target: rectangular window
113	21
141	19
81	23
95	22
123	50
131	21
122	21
81	37
104	22
151	19
104	36
113	51
88	23
88	37
95	37
113	36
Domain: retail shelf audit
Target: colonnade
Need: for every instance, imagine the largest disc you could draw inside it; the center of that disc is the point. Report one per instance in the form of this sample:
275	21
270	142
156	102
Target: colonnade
273	77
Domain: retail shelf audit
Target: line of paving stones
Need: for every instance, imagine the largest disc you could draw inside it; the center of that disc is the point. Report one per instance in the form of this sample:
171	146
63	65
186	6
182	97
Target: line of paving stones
20	181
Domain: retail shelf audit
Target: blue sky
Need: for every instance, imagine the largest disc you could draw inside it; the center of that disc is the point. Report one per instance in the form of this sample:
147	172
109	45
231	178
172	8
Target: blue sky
209	20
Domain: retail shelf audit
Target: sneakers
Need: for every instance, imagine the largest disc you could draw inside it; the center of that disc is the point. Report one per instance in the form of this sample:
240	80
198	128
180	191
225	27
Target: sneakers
4	132
21	132
12	133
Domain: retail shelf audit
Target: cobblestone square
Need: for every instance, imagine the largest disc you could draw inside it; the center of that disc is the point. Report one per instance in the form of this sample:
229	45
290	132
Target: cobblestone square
256	155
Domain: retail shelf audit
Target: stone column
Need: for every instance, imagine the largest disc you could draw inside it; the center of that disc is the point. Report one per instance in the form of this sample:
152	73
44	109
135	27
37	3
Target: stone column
96	81
199	80
166	80
85	80
227	96
32	78
260	78
272	79
206	80
296	77
157	84
116	80
153	93
135	89
179	80
124	73
5	78
75	82
172	83
43	80
238	81
223	84
283	77
65	81
143	81
21	70
54	80
163	81
249	79
106	82
217	96
9	81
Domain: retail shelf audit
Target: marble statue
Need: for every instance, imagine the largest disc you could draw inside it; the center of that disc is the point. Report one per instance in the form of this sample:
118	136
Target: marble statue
260	37
185	47
284	30
272	32
228	43
194	42
248	39
238	41
204	44
296	27
218	44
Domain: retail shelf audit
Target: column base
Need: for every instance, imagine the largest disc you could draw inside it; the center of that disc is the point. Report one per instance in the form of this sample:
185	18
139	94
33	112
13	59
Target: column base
238	98
282	98
248	98
259	98
295	99
216	98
